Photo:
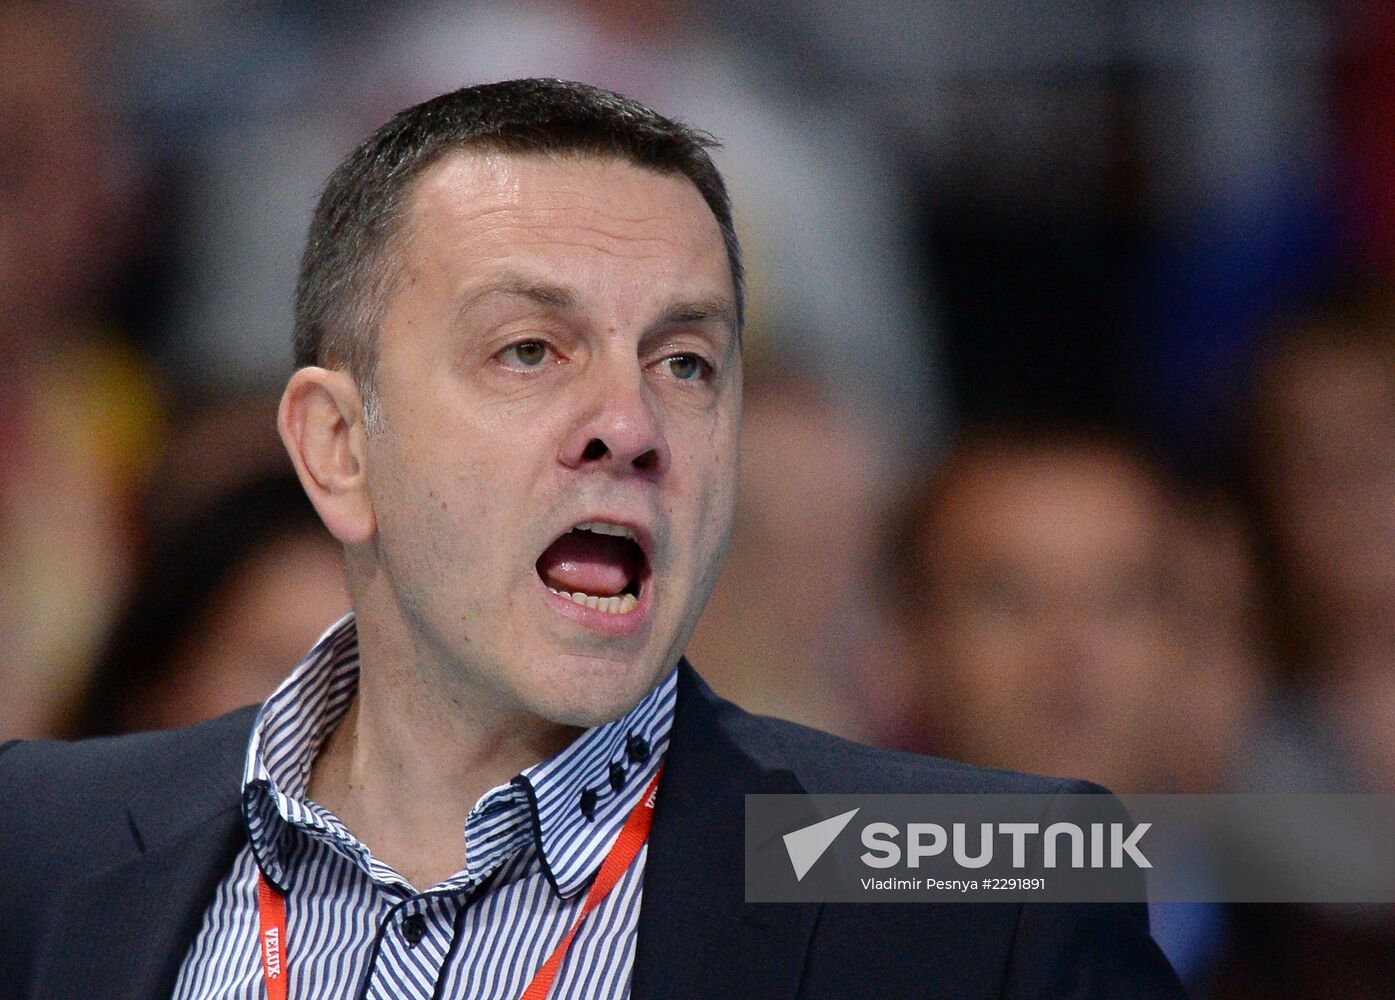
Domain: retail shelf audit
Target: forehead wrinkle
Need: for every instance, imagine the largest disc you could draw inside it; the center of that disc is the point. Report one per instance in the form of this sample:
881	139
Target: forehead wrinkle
611	234
486	219
628	250
476	189
502	182
560	197
491	232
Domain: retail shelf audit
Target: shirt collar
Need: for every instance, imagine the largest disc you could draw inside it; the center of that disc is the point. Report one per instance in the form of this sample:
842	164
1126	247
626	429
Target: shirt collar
571	806
583	795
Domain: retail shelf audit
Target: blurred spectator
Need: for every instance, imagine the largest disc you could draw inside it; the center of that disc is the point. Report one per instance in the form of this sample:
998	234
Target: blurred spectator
228	606
1071	613
796	618
77	410
1321	451
252	182
1322	444
1052	586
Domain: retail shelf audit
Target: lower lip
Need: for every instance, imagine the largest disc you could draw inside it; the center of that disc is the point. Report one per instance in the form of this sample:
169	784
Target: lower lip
629	624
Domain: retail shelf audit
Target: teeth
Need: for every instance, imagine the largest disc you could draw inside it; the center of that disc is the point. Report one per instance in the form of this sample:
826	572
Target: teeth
602	528
621	604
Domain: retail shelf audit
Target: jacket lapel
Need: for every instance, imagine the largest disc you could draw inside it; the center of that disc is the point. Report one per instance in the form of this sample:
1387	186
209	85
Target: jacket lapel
123	931
697	935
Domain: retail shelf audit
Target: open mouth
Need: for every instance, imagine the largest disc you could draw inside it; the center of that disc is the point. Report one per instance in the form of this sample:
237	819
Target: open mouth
598	565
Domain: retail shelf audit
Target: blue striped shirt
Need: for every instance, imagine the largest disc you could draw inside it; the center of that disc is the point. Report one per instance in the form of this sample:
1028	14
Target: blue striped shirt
356	928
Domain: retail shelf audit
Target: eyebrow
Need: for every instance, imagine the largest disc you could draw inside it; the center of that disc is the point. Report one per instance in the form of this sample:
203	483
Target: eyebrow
713	309
538	292
697	311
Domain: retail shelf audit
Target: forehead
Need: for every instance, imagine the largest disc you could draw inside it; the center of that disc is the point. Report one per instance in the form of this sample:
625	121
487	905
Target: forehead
566	210
1070	508
1313	378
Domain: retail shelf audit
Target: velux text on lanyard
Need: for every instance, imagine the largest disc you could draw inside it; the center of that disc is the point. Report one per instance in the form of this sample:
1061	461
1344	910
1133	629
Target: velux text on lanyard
271	905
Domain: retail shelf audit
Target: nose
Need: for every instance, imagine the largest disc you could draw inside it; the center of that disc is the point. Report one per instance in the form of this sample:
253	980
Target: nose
620	430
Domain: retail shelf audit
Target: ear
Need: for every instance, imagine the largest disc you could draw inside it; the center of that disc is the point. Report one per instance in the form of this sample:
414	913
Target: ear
321	424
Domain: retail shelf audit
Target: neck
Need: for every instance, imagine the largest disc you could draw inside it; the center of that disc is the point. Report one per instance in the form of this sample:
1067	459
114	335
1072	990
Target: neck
407	763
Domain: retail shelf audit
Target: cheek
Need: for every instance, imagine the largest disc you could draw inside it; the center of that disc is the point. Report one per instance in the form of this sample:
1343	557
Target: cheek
705	458
988	662
431	509
716	488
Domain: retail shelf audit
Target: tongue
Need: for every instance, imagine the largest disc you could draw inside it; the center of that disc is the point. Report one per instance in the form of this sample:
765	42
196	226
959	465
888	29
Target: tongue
584	561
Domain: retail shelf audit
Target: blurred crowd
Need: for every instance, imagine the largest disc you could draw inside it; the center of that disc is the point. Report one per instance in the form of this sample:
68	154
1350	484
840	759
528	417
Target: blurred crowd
1070	424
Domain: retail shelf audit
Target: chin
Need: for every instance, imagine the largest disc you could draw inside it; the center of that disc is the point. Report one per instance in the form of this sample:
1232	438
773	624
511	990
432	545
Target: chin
585	692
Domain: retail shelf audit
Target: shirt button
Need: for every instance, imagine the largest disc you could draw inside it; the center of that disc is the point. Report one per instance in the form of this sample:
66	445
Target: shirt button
413	929
637	749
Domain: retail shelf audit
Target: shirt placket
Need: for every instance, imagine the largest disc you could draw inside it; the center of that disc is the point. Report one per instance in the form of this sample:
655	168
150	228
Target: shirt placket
417	932
415	938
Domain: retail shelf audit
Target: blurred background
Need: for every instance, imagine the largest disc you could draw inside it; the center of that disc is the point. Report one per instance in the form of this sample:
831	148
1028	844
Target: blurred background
1070	439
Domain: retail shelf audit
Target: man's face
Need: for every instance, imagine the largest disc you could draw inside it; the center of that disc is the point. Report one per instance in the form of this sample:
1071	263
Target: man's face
560	351
1046	611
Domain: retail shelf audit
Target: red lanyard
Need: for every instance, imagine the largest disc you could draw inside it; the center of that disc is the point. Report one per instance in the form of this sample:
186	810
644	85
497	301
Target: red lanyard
271	905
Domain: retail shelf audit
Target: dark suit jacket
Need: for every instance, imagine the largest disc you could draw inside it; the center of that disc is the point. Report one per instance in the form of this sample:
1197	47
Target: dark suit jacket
111	850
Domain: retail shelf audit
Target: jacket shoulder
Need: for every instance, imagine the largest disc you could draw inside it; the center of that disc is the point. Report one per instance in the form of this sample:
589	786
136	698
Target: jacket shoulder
1023	950
828	764
70	805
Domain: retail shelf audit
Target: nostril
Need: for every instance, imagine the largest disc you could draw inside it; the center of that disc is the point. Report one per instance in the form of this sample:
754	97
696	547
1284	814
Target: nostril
595	448
647	461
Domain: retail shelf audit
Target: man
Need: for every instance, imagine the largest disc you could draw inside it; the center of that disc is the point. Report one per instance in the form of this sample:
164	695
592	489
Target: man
1055	604
517	405
1069	612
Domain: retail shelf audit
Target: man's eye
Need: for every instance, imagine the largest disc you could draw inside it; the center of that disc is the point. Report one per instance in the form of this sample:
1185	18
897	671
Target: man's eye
688	367
529	354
